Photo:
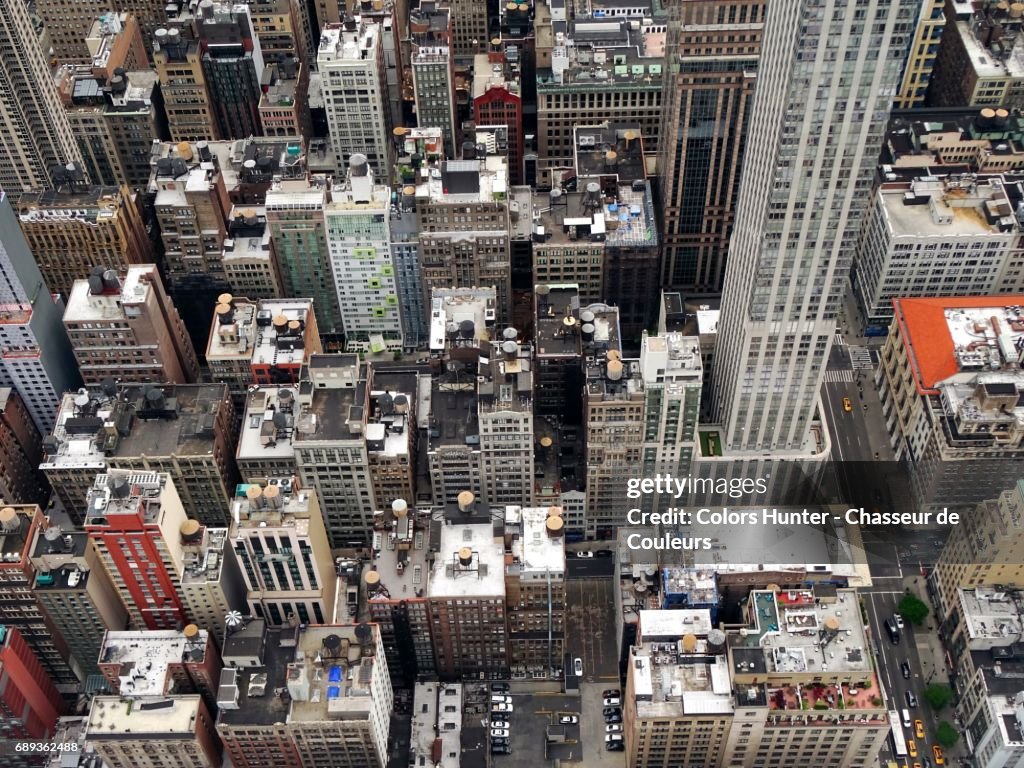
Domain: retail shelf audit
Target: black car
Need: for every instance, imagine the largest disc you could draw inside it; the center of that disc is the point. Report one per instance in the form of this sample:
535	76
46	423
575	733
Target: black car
603	553
612	719
499	742
615	746
893	630
905	669
500	687
611	711
499	750
611	693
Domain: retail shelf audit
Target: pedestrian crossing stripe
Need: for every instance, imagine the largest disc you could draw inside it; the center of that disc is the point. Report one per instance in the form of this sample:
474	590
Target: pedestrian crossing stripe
838	340
838	377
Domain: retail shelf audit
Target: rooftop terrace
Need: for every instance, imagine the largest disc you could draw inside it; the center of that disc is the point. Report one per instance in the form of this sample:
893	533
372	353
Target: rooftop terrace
470	562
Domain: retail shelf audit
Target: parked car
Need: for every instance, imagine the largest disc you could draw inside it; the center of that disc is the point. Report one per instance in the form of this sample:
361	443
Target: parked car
577	666
497	698
584	555
613	717
611	711
568	720
499	733
613	737
501	707
911	700
613	701
615	746
500	687
499	722
613	728
503	749
499	742
611	692
604	553
905	668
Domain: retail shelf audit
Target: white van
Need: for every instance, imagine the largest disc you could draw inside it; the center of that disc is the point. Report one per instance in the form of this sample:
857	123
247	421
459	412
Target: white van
906	718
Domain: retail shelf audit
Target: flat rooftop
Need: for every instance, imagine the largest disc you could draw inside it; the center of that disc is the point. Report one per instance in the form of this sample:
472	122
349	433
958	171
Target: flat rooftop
109	306
84	202
341	688
389	425
144	657
327	416
482	574
16	542
431	723
204	559
292	508
338	44
944	336
281	344
111	717
797	634
483	180
58	560
625	143
943	208
399	557
461	317
992	614
538	552
453	417
554	304
268	425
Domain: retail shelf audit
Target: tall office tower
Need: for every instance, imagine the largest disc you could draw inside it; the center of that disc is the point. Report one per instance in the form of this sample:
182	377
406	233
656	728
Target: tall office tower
21	446
559	356
467	595
152	345
250	264
339	708
505	421
393	19
331	444
927	40
471	250
172	660
709	91
264	343
29	701
211	578
77	593
185	431
936	236
350	61
75	227
35	132
575	88
23	610
284	105
278	24
405	256
498	100
433	70
135	519
949	374
391	435
983	550
295	213
795	236
470	31
170	731
135	115
233	65
672	372
268	427
394	586
774	697
975	65
278	536
39	362
535	589
68	22
179	67
358	237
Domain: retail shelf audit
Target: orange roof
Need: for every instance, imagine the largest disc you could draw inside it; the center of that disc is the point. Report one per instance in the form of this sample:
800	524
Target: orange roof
925	334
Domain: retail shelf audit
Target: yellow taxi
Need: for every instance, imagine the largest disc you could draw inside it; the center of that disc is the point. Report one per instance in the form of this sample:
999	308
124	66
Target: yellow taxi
919	729
912	747
940	758
847	404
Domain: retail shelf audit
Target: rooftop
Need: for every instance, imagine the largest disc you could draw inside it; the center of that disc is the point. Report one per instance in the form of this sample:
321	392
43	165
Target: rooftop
454	419
248	234
944	336
470	562
610	149
335	412
254	507
89	302
400	546
59	558
798	634
124	492
505	381
435	731
204	557
319	674
555	305
991	614
134	420
144	658
461	317
268	424
948	207
79	201
388	425
679	666
339	43
482	180
992	59
14	543
111	717
538	552
488	74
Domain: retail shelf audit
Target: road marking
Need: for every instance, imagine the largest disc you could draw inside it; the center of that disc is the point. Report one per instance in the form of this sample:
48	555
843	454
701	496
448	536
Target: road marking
876	627
839	377
838	340
861	358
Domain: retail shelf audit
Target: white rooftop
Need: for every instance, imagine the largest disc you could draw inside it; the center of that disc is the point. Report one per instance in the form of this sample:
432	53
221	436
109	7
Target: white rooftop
144	657
483	576
268	424
707	321
986	337
84	306
113	716
674	624
954	208
991	614
538	552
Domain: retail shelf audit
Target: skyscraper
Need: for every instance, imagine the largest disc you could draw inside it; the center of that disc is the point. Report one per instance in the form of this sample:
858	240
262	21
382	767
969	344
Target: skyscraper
34	130
828	72
233	63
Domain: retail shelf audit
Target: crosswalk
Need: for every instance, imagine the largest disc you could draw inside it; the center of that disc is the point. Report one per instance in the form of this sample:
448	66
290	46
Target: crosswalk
838	377
861	358
839	340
